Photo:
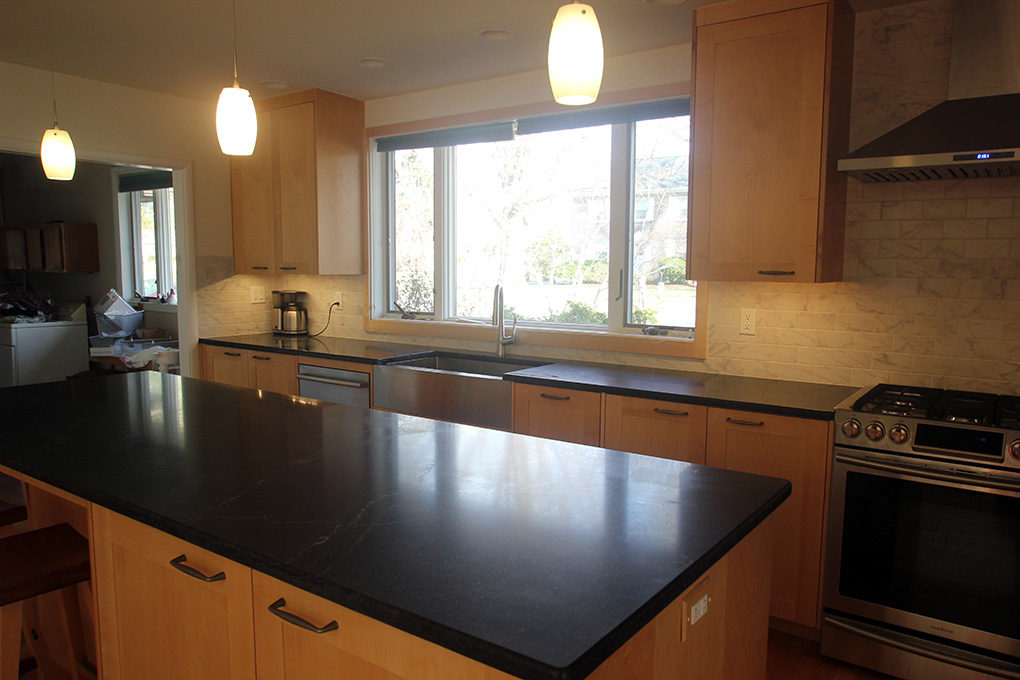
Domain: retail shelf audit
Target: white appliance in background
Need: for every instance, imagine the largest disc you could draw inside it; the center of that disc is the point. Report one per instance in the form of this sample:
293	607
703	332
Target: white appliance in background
42	352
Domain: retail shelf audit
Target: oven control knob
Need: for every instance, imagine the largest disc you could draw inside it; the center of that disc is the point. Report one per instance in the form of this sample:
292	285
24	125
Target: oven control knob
899	433
1014	449
874	431
851	428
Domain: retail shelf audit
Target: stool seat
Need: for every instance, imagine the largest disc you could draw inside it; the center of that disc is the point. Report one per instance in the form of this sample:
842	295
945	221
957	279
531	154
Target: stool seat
40	561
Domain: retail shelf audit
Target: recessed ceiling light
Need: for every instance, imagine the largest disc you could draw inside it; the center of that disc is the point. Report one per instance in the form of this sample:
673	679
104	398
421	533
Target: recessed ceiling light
372	62
275	84
495	34
665	2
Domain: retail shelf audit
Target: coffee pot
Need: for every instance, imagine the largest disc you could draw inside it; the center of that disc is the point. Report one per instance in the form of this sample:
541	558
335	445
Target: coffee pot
291	317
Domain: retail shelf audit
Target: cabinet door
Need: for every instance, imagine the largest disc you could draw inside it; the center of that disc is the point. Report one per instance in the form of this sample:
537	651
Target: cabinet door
168	609
757	147
253	205
53	248
34	249
15	256
554	413
273	372
223	365
795	449
656	428
294	149
309	637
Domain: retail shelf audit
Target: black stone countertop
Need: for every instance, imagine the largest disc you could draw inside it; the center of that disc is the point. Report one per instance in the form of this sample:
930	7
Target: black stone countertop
782	397
325	347
536	557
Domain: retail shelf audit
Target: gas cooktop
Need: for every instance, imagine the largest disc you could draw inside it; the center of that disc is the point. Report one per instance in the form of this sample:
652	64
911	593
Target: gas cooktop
951	406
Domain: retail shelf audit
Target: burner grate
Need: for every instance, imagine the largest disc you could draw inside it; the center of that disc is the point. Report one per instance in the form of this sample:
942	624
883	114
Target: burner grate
1007	414
898	400
974	408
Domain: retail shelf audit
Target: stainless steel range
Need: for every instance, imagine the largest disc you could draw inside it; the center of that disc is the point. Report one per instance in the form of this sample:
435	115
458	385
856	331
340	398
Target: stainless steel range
923	555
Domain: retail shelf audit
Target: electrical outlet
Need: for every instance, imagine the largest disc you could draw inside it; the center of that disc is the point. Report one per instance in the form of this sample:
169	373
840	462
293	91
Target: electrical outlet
338	298
699	609
258	294
747	322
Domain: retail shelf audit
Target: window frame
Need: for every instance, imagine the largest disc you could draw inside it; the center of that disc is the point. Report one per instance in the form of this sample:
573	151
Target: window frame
618	335
165	269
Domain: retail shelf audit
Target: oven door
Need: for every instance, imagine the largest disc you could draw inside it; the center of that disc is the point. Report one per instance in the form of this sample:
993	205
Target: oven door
919	545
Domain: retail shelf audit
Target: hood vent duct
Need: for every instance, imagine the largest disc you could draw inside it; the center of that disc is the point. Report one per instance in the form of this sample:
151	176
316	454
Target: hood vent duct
974	134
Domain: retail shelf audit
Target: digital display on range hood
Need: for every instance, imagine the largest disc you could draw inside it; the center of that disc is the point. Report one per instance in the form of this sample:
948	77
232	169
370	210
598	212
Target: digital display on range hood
985	156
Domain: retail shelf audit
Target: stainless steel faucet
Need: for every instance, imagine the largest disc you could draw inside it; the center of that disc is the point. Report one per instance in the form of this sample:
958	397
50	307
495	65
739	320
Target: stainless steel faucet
502	339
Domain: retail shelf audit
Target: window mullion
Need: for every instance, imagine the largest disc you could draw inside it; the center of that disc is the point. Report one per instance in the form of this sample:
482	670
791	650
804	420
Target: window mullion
160	217
445	233
389	168
621	179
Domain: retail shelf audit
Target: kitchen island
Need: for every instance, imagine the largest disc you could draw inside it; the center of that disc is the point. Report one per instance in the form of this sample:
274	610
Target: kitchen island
468	552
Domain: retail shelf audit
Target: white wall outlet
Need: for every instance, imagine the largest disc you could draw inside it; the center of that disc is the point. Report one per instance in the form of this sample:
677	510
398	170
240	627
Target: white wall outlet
258	294
699	609
747	326
338	298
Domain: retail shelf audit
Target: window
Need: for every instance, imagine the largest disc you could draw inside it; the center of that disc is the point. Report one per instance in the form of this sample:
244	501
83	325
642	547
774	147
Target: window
581	218
154	241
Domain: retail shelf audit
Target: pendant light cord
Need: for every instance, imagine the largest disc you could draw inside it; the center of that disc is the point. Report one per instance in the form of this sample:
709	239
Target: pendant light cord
53	90
233	9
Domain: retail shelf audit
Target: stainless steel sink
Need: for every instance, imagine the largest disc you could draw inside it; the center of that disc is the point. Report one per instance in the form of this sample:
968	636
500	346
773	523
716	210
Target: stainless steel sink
445	386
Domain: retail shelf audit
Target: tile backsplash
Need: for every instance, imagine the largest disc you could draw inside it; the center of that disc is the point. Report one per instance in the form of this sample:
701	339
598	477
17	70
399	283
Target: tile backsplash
931	286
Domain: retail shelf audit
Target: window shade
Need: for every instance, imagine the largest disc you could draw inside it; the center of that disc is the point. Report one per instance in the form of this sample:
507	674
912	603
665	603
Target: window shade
472	134
629	113
142	181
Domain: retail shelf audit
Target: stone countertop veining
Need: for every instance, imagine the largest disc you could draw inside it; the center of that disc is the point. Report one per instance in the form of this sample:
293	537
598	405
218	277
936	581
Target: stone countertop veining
536	557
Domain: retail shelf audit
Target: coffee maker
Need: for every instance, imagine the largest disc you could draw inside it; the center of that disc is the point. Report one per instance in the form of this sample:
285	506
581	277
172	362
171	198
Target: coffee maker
291	317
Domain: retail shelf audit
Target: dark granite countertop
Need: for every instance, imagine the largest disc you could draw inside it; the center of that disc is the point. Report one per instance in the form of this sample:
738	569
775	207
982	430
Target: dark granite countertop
782	397
536	557
346	349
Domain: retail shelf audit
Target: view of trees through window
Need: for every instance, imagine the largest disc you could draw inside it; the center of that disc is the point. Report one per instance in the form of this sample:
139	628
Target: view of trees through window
533	214
155	242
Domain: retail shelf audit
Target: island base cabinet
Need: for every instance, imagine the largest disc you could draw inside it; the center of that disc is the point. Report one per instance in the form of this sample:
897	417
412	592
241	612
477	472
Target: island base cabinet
167	609
299	636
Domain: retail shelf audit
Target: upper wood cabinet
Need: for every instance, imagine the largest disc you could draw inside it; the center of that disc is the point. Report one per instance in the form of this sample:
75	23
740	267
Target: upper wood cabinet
168	609
770	117
297	201
656	428
71	247
790	448
556	413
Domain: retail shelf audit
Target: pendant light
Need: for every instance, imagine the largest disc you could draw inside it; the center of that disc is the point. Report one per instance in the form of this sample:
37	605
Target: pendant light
236	123
57	151
575	55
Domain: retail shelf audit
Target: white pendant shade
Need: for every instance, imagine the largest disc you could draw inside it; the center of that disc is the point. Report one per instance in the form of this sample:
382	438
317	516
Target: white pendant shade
57	154
575	55
236	123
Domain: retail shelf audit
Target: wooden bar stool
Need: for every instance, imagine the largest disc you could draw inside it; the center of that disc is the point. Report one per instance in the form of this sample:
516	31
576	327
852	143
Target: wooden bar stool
31	564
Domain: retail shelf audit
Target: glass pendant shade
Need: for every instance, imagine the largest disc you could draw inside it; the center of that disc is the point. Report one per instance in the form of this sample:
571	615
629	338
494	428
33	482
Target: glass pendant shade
57	154
236	123
575	55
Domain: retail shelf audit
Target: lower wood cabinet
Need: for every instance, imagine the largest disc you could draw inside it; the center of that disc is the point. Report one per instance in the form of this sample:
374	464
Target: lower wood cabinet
223	365
795	449
656	428
555	413
261	370
167	609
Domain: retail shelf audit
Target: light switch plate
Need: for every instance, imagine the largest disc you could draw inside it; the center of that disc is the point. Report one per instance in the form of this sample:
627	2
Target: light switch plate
258	294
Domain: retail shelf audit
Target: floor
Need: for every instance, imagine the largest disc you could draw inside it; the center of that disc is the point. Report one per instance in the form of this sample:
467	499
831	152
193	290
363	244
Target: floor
794	658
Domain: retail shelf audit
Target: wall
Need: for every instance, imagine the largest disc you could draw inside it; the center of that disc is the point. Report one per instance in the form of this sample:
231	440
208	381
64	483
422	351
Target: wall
931	290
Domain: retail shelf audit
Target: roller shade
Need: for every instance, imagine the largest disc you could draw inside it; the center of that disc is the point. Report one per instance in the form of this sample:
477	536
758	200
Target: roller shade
142	181
611	115
472	134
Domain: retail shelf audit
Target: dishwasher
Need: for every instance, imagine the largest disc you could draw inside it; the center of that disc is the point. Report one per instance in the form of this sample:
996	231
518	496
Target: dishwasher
334	385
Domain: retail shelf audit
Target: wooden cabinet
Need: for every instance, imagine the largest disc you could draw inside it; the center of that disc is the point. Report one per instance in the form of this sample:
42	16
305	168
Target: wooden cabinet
262	370
657	428
770	110
297	201
555	413
225	365
795	449
14	255
57	247
168	609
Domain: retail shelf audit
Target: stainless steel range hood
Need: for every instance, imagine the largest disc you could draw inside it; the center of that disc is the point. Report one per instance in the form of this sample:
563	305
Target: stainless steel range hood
977	132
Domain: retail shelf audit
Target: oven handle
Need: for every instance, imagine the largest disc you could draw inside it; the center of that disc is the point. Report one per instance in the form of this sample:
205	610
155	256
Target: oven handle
964	478
919	650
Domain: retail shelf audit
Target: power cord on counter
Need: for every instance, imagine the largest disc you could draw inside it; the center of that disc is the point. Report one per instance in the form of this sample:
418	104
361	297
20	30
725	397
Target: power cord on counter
328	317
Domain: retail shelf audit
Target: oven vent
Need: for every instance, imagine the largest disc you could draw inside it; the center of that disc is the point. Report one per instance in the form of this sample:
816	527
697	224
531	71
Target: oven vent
936	172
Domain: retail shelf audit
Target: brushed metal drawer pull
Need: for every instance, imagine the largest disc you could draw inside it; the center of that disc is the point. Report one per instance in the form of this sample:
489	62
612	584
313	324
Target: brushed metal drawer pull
554	397
261	268
277	608
178	563
750	423
775	272
667	412
288	269
232	354
332	381
257	358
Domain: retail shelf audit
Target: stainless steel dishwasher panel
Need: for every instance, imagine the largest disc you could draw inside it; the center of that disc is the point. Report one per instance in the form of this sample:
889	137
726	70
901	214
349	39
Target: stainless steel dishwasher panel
334	385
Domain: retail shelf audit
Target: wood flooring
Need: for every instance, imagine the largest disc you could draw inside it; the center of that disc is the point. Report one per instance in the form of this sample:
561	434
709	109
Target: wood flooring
794	658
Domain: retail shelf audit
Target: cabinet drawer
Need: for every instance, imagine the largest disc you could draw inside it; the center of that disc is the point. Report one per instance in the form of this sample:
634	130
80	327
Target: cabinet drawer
555	413
656	428
225	365
272	372
299	636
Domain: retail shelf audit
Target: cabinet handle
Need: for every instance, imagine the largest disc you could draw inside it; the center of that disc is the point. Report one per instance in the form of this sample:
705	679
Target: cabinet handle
258	358
775	272
554	397
261	268
277	608
288	269
332	381
178	563
232	354
750	423
667	412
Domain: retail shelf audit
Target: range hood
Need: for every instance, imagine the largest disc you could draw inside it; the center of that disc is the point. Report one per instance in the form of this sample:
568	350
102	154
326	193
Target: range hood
976	133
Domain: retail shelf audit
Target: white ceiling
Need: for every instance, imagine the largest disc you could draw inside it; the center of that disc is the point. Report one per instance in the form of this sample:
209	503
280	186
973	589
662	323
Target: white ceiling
183	47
